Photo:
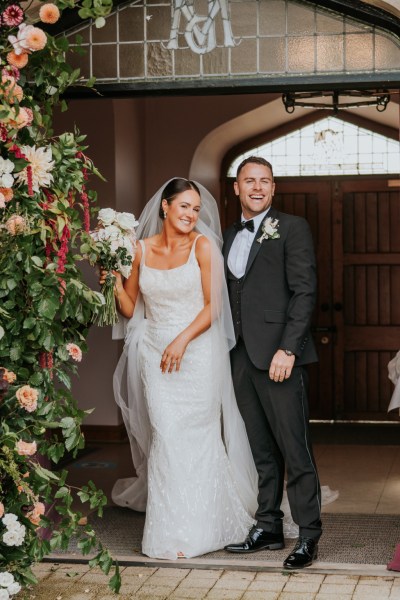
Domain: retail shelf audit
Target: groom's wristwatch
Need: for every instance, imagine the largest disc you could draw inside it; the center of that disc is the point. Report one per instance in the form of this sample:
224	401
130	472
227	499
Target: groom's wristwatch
287	352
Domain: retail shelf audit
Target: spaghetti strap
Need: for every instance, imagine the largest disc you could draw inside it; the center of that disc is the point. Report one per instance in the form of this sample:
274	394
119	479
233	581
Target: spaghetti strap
193	248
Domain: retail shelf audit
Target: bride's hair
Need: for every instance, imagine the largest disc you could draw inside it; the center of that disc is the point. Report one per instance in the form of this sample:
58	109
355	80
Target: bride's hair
173	188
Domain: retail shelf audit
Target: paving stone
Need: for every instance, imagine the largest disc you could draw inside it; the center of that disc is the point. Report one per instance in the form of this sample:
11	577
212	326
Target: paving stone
226	583
224	594
337	596
268	585
341	588
192	582
143	571
268	576
157	591
189	593
365	592
368	580
307	577
341	579
205	573
240	575
254	595
301	586
295	596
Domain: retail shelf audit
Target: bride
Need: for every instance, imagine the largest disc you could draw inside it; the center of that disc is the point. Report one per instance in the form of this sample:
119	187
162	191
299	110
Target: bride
173	380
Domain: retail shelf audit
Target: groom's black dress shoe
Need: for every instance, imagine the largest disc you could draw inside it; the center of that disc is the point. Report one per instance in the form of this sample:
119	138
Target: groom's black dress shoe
303	554
258	539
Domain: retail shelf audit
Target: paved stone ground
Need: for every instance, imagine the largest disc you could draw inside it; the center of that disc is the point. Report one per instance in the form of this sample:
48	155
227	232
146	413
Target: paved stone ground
77	582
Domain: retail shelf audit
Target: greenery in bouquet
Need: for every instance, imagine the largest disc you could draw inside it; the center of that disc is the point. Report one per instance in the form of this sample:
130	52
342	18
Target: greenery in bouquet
45	306
112	245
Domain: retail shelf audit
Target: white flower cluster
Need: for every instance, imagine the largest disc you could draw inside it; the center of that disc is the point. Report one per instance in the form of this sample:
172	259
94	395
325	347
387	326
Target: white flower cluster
6	169
8	585
15	532
118	230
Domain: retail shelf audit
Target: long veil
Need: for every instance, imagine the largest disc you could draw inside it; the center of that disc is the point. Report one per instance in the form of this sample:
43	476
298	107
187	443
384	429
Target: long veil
132	492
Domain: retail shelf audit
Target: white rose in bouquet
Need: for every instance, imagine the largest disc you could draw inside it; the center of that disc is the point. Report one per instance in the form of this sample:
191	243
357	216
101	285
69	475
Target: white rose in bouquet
114	244
14	588
126	221
4	595
106	216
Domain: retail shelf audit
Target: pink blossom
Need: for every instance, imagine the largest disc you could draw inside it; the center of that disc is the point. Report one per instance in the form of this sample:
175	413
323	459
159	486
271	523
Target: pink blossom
75	352
1	510
15	224
13	15
35	514
28	39
26	448
27	397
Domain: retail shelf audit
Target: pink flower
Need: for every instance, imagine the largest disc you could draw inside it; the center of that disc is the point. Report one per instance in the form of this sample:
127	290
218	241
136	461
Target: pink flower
13	15
2	201
35	514
49	13
15	224
9	376
28	39
75	352
1	510
26	448
27	397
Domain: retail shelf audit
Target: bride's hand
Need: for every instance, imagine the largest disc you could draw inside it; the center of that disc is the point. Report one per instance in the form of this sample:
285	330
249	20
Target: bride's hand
118	285
173	354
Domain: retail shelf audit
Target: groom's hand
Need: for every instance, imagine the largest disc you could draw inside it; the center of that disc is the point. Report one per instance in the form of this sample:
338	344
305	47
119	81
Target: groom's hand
281	366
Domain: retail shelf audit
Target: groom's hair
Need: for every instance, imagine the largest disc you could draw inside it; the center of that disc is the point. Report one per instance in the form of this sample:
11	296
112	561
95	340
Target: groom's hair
173	188
258	160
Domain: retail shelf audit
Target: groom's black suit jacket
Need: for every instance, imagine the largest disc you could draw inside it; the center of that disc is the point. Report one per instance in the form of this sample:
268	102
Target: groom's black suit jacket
278	291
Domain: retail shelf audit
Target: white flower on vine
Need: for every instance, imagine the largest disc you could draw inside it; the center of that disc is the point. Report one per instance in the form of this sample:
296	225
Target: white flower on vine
41	162
4	595
6	168
6	579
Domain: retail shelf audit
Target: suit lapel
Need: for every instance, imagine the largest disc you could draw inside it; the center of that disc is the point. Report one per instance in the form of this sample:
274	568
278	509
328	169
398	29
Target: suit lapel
256	246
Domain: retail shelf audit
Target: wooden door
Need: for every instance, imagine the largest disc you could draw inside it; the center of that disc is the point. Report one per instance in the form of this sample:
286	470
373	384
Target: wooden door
366	282
356	326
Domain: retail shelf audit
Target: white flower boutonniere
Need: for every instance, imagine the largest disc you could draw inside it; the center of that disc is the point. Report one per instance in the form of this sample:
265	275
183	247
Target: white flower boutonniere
269	230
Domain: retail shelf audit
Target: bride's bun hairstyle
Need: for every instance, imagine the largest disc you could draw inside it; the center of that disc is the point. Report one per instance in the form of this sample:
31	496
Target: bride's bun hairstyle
173	188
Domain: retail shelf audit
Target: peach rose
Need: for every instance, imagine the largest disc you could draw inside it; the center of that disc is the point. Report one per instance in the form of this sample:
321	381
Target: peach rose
75	352
17	60
7	193
9	376
1	510
35	39
20	120
27	397
26	448
35	514
49	13
15	224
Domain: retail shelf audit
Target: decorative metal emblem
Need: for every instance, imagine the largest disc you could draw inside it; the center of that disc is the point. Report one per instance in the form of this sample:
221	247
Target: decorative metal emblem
200	29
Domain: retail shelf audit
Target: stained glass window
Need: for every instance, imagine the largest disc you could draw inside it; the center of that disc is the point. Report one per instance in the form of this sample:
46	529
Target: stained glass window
328	147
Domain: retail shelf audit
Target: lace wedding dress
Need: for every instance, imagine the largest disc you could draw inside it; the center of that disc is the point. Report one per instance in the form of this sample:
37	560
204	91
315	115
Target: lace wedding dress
193	506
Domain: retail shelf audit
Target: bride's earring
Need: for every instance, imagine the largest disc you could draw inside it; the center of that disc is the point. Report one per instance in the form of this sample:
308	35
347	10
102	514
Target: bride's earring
165	215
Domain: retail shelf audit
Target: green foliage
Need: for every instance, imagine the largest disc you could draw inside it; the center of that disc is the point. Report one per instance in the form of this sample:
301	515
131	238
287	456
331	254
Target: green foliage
46	307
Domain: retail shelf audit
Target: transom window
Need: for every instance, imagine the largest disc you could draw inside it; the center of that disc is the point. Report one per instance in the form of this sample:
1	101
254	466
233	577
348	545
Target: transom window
328	147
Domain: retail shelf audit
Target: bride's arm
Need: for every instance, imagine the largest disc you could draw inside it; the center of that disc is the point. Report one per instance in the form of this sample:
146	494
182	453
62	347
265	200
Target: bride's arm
173	353
126	292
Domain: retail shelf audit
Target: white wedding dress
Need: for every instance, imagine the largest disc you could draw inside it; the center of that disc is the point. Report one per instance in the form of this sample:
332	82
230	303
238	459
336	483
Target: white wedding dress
193	506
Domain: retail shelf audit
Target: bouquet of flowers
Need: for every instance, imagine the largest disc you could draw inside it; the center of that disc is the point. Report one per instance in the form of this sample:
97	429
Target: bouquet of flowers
114	247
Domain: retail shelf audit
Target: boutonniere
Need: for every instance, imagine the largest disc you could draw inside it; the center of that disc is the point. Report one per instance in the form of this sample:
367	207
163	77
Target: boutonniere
269	230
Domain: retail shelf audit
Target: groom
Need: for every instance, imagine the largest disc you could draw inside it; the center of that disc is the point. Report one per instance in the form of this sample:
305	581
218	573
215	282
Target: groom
270	267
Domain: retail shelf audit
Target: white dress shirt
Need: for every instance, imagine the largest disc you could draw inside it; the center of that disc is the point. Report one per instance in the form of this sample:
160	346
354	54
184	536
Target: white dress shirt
240	249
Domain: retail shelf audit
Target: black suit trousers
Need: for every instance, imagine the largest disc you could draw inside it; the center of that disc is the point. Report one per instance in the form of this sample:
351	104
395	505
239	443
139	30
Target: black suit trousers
276	419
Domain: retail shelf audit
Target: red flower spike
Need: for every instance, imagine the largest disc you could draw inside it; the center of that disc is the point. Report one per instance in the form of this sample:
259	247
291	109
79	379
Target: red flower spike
29	178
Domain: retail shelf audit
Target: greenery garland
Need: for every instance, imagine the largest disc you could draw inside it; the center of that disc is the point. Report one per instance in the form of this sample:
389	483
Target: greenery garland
45	307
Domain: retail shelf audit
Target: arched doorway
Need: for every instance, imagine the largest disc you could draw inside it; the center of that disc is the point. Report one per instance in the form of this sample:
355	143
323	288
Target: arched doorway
354	219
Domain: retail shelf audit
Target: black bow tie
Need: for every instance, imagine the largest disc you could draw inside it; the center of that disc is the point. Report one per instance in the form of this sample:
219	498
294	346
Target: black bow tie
239	225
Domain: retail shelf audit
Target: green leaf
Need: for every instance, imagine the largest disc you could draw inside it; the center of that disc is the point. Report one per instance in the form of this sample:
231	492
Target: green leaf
115	581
